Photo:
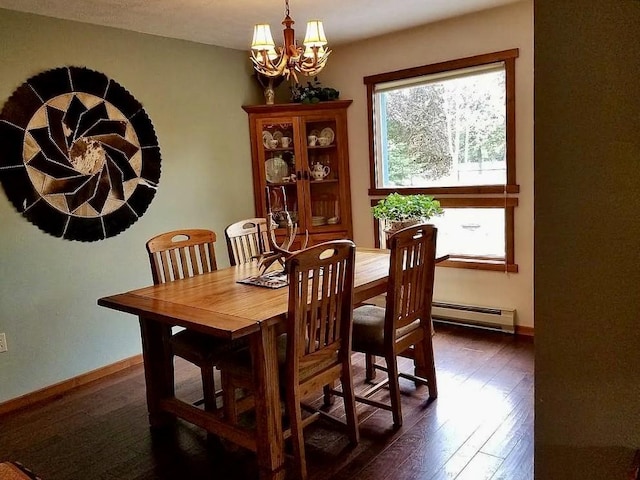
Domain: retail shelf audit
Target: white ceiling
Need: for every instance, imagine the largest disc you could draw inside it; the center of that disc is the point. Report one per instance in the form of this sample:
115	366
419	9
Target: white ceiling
229	23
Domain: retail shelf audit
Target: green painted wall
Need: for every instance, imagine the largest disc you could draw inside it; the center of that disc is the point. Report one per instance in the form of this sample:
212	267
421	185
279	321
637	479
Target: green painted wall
48	286
587	237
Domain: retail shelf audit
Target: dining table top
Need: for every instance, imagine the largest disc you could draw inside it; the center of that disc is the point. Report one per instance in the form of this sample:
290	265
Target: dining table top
217	304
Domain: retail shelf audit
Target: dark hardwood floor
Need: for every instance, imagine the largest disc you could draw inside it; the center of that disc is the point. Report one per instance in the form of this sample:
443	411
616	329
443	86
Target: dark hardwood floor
480	427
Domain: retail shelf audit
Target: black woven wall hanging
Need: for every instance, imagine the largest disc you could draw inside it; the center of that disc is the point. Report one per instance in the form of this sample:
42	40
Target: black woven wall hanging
79	157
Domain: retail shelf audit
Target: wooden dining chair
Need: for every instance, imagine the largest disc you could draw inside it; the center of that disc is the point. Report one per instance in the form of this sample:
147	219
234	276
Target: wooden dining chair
403	327
182	254
246	240
315	351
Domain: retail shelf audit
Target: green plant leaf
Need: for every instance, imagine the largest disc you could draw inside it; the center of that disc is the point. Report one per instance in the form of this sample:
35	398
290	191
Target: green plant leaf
396	207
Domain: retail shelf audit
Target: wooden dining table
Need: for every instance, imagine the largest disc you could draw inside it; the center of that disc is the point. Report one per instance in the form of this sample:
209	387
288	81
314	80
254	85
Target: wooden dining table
217	304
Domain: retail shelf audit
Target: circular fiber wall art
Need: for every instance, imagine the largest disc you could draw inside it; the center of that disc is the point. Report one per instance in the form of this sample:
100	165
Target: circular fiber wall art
79	157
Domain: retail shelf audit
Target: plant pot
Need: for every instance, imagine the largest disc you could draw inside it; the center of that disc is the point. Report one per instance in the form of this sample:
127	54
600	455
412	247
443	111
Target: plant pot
393	226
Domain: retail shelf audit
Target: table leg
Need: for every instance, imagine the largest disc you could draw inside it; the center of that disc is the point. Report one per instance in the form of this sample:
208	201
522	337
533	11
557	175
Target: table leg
158	368
270	441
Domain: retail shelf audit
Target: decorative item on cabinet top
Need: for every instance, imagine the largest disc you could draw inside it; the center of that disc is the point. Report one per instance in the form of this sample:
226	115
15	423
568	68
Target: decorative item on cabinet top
269	85
313	93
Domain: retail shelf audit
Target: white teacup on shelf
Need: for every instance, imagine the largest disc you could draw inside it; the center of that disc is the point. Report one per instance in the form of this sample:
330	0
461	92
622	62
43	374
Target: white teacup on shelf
312	139
323	141
273	143
285	141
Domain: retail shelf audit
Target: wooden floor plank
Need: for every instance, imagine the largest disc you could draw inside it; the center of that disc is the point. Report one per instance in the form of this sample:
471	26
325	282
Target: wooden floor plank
519	463
481	426
481	467
492	420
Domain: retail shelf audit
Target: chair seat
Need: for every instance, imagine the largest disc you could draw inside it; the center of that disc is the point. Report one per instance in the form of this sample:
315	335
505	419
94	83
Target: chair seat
238	363
199	348
368	329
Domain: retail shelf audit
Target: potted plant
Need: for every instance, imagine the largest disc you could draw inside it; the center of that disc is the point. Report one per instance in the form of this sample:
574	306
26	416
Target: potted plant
313	93
400	211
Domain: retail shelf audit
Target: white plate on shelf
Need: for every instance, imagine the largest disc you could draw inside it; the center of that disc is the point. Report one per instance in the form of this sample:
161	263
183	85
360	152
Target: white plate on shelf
276	169
328	134
277	135
266	136
315	132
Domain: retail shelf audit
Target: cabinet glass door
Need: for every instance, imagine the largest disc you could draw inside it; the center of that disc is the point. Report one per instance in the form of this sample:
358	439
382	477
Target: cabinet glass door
278	153
324	172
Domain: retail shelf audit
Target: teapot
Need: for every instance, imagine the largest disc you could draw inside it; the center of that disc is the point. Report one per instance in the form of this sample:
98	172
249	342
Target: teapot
319	171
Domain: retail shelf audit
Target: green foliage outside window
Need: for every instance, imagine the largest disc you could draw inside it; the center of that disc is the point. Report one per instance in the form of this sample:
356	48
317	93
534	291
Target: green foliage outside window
433	129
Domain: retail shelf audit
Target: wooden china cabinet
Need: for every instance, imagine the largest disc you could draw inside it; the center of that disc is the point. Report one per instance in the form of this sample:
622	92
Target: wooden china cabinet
300	161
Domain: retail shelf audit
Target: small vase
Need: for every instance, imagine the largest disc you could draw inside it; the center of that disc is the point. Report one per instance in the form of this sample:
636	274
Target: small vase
269	94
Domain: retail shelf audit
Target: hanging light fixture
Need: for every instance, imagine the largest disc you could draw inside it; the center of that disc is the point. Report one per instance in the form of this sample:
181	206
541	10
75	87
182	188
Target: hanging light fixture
290	59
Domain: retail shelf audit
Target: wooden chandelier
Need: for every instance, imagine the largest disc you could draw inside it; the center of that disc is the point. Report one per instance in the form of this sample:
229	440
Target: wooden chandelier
290	59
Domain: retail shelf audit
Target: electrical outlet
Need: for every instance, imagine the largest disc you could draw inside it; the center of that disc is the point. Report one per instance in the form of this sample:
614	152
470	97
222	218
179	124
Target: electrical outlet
3	342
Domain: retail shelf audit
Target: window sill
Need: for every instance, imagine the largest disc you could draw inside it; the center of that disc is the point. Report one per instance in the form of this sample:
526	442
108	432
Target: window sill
476	264
466	190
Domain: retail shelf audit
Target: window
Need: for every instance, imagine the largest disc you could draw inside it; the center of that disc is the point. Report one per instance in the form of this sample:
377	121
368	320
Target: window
442	130
448	130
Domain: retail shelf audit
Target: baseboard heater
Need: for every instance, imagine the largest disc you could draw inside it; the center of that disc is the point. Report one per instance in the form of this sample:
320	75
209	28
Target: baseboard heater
494	318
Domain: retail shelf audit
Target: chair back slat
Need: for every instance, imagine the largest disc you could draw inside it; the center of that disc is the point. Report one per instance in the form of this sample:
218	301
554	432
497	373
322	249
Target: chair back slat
185	257
174	263
246	240
181	254
312	310
411	275
320	305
